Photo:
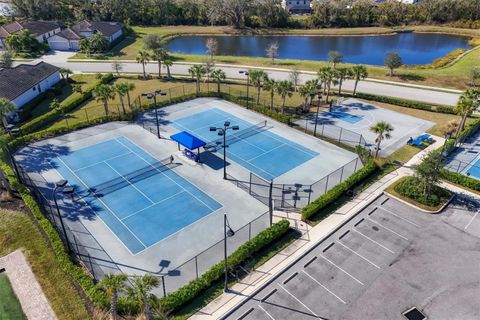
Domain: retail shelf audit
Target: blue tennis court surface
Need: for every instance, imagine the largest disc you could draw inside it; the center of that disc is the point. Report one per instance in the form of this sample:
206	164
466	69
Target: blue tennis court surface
344	116
474	170
137	196
263	153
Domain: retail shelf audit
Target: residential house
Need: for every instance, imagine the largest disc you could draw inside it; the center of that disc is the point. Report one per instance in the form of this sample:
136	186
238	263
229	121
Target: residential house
297	6
24	82
40	30
69	39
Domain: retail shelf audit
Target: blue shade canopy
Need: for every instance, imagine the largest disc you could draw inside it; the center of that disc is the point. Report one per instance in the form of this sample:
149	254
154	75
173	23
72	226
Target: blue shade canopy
187	140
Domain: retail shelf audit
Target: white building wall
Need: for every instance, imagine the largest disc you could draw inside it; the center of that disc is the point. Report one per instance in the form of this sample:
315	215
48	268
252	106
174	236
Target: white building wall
116	35
35	91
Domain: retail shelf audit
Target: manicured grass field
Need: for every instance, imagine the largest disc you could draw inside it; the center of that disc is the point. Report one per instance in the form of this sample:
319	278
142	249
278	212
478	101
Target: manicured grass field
18	231
453	76
10	307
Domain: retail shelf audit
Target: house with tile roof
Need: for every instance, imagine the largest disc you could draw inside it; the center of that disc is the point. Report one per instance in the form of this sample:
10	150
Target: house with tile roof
40	30
24	82
69	39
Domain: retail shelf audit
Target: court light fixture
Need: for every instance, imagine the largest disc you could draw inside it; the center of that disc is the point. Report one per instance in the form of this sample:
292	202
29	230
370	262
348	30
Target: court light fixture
227	124
213	129
235	127
153	95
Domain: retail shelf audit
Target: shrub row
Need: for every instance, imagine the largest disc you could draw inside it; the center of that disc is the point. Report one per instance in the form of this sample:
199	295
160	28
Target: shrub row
66	105
460	179
336	192
187	293
406	103
443	61
413	188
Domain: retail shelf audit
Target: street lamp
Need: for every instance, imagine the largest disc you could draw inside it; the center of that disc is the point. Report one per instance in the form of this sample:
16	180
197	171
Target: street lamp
153	95
222	131
62	186
248	83
227	232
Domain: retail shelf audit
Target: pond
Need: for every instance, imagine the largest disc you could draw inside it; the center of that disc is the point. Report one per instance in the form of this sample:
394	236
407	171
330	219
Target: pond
414	48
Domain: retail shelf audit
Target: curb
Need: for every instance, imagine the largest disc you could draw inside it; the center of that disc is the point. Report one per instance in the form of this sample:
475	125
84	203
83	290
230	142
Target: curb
420	209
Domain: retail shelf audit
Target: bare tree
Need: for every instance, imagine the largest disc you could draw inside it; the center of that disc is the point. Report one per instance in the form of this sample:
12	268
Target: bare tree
294	77
117	67
272	51
212	46
234	11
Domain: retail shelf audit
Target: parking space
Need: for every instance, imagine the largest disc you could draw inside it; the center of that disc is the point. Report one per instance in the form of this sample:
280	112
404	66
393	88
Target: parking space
368	267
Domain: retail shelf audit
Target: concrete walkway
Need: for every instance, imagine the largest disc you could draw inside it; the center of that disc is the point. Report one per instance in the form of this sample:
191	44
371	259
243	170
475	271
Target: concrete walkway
34	303
256	279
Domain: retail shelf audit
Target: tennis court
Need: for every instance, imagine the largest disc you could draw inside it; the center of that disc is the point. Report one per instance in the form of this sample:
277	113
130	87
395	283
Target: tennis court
465	159
254	147
140	199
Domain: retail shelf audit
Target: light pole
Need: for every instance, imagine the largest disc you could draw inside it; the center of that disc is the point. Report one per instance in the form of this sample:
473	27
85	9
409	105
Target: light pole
222	131
227	232
319	94
248	83
62	185
153	95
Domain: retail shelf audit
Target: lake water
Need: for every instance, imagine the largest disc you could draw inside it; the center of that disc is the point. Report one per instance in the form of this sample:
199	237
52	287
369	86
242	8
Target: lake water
414	48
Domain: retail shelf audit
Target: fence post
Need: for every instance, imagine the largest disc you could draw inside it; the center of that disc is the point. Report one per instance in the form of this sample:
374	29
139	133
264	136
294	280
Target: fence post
360	140
250	185
340	137
91	267
163	285
341	174
310	193
356	163
323	128
76	244
170	94
326	184
196	265
270	202
249	230
86	114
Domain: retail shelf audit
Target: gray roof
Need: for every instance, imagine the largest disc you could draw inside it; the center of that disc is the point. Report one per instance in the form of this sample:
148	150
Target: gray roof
34	27
107	28
16	81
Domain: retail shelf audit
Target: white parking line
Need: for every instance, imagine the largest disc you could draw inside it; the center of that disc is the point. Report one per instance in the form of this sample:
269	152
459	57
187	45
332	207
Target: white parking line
321	285
348	274
471	220
266	312
387	228
368	238
310	310
358	254
396	215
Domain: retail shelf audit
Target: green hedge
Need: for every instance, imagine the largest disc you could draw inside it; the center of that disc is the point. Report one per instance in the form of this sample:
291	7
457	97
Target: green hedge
413	188
406	103
460	179
187	293
336	192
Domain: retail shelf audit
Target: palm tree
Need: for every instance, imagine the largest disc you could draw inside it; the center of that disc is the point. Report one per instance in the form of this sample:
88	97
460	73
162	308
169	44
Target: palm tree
197	71
218	75
383	131
143	57
359	72
122	89
130	86
284	88
270	85
103	93
168	63
322	75
467	103
328	76
344	73
6	106
308	90
113	284
141	291
159	55
256	79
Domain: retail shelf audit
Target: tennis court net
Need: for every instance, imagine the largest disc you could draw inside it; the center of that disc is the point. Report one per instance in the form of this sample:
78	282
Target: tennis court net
217	144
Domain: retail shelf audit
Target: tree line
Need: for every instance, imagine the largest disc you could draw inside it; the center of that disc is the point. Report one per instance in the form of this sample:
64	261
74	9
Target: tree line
250	13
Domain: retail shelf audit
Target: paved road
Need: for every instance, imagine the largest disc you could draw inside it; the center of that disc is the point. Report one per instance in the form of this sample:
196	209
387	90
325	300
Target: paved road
232	72
379	265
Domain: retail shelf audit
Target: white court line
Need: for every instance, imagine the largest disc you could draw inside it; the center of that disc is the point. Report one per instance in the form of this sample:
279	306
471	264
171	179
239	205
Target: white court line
168	176
359	255
140	191
377	243
152	205
348	274
396	215
318	282
386	228
268	314
471	220
310	310
99	162
111	211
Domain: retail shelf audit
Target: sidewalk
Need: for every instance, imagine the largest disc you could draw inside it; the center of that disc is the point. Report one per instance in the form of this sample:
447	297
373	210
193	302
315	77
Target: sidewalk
311	236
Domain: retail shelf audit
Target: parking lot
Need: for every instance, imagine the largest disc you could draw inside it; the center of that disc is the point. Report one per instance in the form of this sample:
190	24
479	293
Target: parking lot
386	260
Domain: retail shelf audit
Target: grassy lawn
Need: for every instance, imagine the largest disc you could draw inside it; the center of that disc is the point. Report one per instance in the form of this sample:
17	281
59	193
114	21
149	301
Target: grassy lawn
10	307
452	76
17	231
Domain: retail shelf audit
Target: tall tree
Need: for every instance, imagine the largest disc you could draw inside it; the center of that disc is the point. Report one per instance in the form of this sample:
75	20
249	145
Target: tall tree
6	58
130	86
98	43
344	73
272	51
335	57
141	292
117	67
256	79
307	92
467	103
270	85
428	171
159	55
218	75
235	11
359	73
168	63
212	46
104	93
197	71
6	106
284	88
383	130
152	42
143	57
294	77
121	89
328	77
113	285
393	61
